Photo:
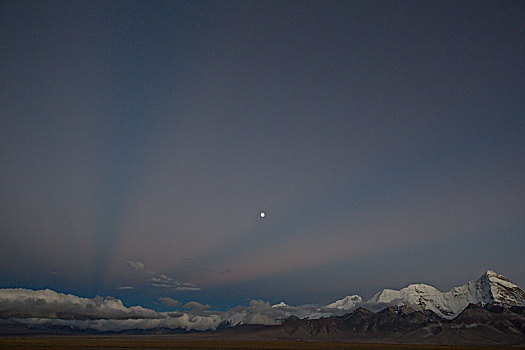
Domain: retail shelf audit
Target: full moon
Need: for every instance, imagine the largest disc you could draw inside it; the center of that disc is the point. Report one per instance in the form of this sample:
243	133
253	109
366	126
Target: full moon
262	214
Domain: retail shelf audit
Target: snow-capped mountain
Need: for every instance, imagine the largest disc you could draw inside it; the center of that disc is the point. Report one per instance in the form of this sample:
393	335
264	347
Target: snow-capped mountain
490	288
282	304
347	303
47	308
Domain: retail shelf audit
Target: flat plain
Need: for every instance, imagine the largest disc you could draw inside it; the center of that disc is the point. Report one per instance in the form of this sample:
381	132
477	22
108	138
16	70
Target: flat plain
174	342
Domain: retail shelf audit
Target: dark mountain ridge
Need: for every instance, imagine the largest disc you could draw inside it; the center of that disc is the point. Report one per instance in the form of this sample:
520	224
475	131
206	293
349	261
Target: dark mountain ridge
476	325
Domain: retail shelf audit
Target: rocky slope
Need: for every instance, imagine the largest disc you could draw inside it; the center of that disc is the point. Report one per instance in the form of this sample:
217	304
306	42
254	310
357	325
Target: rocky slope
476	325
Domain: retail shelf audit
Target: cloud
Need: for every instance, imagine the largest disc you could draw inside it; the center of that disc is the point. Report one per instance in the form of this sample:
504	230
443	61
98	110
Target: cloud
27	303
124	288
161	280
165	281
185	321
196	306
170	302
187	289
48	308
135	265
258	312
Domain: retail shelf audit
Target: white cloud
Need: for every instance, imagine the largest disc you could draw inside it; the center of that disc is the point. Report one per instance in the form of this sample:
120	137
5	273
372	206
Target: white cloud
185	321
49	308
27	303
46	307
135	265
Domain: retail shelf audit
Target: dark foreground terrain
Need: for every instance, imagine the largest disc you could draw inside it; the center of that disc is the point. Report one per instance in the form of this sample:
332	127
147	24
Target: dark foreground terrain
179	342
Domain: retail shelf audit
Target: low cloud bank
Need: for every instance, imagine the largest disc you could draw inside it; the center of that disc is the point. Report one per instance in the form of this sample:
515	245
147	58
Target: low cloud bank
184	321
27	303
258	312
45	308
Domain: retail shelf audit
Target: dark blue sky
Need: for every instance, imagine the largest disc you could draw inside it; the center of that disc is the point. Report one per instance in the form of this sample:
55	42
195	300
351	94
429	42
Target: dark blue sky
140	140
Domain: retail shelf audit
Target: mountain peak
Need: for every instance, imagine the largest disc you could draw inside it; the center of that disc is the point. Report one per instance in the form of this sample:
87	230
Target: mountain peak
281	304
347	303
502	290
490	288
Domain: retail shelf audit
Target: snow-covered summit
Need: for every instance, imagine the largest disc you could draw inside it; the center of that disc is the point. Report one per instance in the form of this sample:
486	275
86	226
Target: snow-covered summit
281	304
504	291
489	288
347	303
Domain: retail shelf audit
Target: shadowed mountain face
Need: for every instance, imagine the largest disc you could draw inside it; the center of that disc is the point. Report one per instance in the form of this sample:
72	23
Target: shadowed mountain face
361	324
476	325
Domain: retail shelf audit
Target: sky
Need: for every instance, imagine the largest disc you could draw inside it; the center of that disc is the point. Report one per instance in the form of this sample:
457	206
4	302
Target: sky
139	141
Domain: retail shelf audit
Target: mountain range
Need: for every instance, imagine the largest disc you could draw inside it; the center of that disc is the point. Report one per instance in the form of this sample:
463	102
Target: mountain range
490	288
489	310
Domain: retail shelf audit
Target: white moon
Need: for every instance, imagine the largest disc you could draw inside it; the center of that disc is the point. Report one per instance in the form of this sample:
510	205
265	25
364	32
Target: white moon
262	214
